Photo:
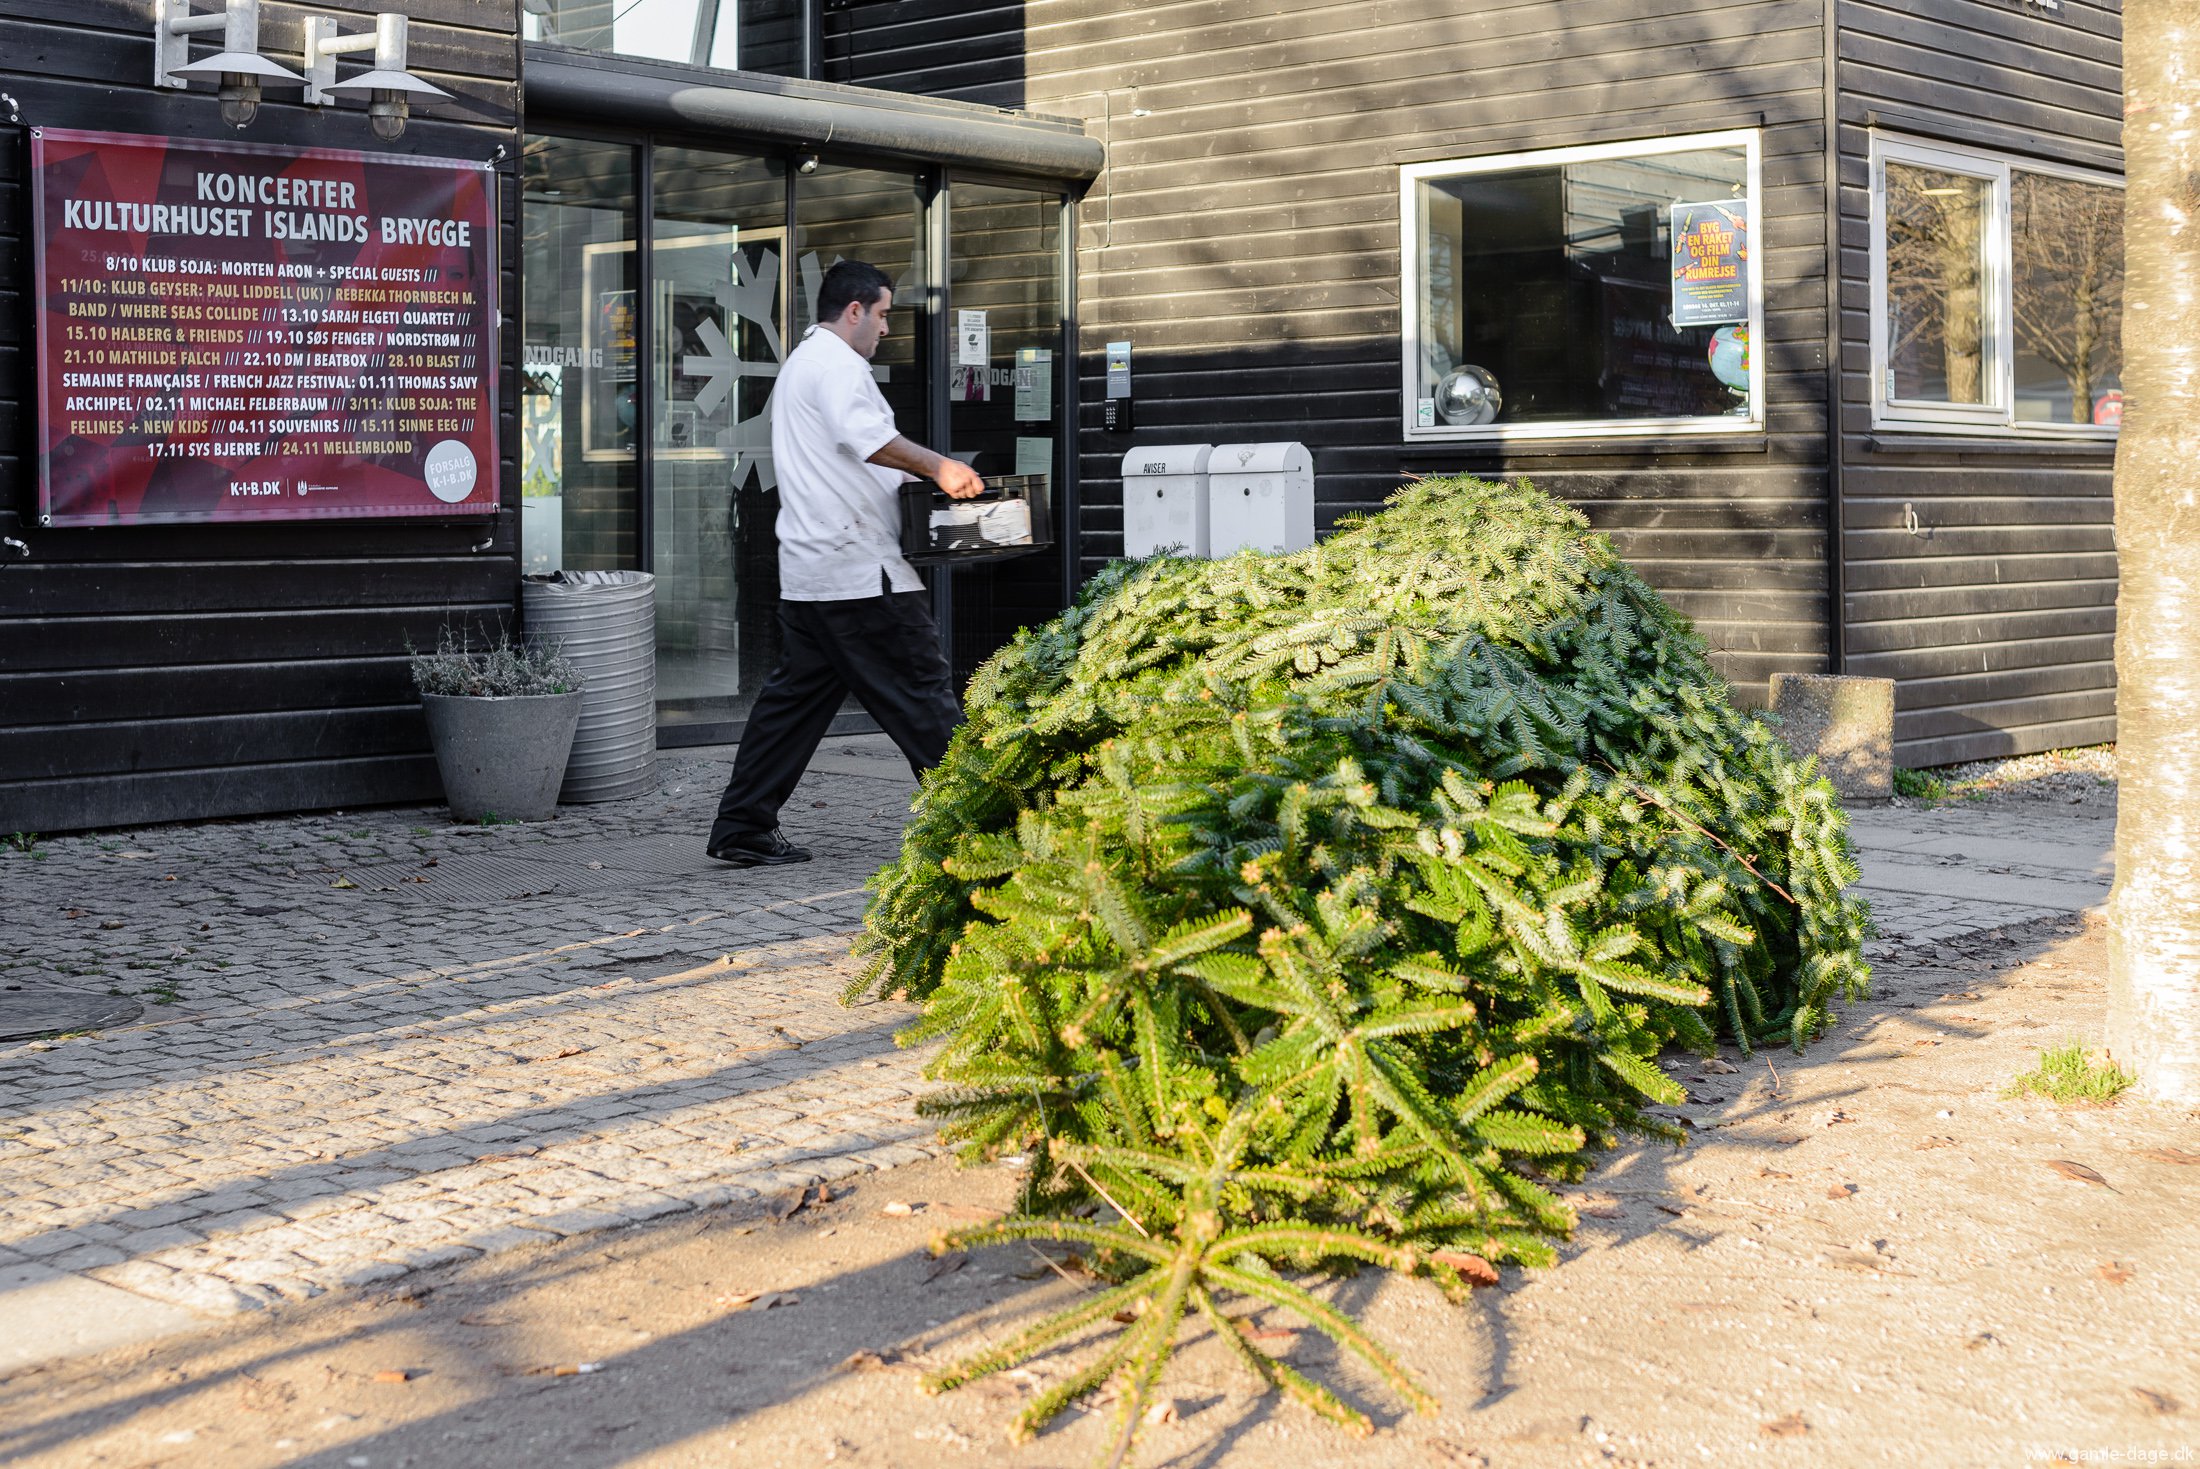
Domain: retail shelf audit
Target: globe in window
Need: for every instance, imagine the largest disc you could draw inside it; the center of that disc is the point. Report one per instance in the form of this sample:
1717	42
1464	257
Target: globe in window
1729	356
1468	397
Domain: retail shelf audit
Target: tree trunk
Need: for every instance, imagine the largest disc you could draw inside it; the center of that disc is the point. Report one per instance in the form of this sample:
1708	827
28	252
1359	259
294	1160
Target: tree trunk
2154	910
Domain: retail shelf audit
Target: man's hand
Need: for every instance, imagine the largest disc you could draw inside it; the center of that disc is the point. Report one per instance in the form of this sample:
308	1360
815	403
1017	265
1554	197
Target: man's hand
952	475
959	480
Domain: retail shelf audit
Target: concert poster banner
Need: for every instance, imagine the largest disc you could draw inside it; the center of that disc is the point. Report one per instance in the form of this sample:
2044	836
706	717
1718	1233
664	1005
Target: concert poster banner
1711	263
236	332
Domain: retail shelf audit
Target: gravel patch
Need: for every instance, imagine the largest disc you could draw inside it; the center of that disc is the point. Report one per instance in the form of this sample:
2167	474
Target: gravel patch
2083	779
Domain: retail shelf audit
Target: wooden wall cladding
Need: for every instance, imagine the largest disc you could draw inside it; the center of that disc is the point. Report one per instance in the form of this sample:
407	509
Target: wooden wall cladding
1245	239
165	673
1996	615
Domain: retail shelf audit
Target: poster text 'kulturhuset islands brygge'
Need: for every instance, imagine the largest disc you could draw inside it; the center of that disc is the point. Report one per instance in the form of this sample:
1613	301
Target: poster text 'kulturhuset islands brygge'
234	332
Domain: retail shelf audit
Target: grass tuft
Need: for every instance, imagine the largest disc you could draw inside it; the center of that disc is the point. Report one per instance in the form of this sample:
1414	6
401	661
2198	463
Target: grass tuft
1920	785
2066	1073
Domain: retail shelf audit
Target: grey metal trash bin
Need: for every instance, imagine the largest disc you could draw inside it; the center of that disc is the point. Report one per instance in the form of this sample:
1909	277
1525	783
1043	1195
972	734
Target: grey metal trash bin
607	622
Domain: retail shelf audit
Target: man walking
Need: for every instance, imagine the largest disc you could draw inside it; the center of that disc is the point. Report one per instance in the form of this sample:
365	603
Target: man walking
853	616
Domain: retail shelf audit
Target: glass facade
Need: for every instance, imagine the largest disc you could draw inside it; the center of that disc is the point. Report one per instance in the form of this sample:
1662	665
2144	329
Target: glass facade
717	239
579	397
652	346
1004	385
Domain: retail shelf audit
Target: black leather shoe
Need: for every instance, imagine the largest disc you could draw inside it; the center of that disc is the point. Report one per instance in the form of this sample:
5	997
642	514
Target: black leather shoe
761	849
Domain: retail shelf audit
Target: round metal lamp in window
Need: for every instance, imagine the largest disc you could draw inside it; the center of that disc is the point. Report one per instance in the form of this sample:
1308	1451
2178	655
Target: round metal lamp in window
1468	397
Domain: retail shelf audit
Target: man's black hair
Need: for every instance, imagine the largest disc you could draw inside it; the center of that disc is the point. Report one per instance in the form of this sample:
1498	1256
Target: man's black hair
847	283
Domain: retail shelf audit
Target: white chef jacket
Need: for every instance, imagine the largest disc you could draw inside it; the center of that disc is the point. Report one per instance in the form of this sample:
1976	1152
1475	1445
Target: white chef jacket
839	515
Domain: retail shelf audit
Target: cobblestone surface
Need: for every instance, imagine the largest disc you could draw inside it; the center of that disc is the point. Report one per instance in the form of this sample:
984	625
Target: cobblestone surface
376	1041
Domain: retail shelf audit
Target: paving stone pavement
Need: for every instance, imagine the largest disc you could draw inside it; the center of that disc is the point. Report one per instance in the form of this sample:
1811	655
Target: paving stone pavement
377	1041
1938	872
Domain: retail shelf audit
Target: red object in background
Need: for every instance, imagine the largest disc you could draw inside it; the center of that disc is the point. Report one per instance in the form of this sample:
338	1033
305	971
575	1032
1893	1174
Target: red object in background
2108	409
232	331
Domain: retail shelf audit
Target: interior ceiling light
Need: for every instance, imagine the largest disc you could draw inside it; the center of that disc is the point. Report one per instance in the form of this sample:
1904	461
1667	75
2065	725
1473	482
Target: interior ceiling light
389	88
239	66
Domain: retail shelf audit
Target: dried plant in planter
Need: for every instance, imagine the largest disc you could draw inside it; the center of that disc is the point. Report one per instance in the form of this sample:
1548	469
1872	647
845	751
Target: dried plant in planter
502	670
1311	910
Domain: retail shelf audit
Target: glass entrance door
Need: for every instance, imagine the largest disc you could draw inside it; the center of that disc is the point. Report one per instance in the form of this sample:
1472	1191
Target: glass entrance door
717	302
1004	392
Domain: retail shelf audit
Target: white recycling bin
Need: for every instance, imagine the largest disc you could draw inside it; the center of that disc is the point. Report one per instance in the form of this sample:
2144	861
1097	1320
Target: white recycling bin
1259	497
1165	500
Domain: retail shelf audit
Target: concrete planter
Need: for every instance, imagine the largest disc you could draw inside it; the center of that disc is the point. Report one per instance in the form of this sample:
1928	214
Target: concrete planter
502	757
1847	723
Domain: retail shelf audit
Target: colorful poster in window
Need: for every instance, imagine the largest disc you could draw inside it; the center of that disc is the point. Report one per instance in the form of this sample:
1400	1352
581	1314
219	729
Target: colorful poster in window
1711	263
229	331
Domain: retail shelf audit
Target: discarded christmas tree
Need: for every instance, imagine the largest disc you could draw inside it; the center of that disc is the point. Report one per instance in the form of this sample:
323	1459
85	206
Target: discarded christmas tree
1316	909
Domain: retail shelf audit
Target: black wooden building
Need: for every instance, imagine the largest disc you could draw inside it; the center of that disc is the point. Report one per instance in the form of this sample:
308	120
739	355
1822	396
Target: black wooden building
1331	223
1922	492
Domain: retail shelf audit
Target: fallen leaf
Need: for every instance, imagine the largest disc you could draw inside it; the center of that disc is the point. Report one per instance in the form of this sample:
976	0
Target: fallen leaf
1267	1333
824	1193
75	913
868	1361
943	1265
1676	1210
2156	1402
1835	1118
967	1211
394	1374
1840	1190
1715	1065
1477	1270
2115	1272
1856	1259
791	1205
343	882
1773	1173
756	1300
1603	1211
512	1156
2159	1155
1792	1426
899	1207
1163	1411
1934	1142
110	923
1983	1339
2077	1172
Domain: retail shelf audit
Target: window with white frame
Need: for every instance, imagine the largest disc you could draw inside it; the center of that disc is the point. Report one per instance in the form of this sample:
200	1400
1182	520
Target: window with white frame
1997	293
1588	292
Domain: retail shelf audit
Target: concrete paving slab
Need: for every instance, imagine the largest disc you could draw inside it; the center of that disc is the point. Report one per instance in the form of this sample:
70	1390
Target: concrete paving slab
48	1314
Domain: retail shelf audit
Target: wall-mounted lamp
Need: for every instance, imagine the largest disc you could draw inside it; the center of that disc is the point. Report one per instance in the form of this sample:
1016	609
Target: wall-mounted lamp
807	163
389	88
239	64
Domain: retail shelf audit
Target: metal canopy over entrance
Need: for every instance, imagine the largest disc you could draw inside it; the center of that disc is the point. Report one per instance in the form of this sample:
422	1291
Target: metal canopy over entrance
676	222
588	86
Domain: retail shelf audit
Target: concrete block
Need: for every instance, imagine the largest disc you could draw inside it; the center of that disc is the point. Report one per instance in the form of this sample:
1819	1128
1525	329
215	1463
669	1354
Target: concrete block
1847	723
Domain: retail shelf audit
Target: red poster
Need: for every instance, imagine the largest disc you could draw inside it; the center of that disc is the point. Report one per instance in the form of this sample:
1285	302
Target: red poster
229	331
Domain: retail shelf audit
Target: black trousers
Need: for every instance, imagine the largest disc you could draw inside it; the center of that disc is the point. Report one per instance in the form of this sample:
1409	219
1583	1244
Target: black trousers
886	651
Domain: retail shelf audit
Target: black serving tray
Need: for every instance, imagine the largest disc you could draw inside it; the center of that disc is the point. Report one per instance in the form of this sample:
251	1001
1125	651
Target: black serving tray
929	540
